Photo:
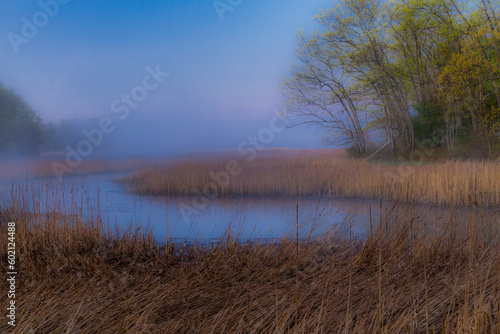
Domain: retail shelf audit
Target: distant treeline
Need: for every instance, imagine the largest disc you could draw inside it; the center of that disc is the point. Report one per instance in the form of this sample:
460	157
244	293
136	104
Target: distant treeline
66	132
413	73
22	131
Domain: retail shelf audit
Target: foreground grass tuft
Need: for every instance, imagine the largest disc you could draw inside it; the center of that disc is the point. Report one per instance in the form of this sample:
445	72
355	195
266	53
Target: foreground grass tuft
405	278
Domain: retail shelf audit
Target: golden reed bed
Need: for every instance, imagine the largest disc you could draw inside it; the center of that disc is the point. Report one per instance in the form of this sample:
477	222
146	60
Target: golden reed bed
452	182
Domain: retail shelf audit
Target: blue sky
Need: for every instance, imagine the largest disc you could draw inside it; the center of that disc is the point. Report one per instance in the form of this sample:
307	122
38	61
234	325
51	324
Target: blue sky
224	74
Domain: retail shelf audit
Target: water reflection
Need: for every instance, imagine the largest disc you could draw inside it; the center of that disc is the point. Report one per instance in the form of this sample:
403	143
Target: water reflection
248	218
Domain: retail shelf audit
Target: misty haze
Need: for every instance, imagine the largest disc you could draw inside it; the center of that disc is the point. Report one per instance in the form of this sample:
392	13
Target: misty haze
250	167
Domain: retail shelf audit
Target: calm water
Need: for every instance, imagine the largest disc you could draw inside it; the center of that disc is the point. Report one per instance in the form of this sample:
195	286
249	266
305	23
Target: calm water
248	218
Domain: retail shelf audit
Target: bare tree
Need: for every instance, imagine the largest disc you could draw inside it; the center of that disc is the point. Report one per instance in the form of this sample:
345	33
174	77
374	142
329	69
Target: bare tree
319	92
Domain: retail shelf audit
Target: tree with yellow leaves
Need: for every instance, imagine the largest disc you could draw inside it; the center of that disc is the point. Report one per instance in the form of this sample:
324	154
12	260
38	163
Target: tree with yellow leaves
406	67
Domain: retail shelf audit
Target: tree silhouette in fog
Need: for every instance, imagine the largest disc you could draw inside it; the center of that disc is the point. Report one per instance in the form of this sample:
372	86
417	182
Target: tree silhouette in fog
21	129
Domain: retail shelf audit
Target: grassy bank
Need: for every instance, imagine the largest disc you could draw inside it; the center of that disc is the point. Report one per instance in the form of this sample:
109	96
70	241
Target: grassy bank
452	182
45	167
407	277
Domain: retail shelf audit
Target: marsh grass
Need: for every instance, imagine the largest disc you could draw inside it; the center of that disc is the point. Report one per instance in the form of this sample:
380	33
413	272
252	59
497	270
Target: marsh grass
78	276
43	167
474	184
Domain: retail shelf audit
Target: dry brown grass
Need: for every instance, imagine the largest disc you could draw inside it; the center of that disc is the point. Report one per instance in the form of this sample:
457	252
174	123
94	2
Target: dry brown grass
42	167
45	169
405	278
452	182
